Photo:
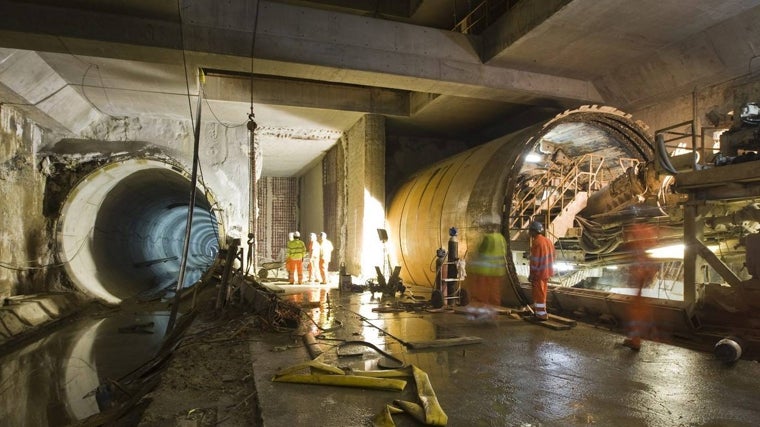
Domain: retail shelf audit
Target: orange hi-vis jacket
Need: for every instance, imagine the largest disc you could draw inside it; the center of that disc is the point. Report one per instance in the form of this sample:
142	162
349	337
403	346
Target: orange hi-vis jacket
541	258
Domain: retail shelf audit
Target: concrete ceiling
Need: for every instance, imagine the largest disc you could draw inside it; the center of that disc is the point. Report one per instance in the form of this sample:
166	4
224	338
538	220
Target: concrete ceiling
318	66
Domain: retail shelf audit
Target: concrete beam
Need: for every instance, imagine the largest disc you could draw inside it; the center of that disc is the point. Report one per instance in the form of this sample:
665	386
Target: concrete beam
36	86
419	101
516	23
400	8
302	93
724	51
346	48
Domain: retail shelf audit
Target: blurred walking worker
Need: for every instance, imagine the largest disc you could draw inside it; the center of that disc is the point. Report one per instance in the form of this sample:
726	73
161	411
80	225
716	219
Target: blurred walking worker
642	272
296	252
325	255
487	269
541	268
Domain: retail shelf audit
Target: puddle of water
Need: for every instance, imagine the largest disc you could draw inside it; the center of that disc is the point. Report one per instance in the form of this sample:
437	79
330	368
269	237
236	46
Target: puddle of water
52	381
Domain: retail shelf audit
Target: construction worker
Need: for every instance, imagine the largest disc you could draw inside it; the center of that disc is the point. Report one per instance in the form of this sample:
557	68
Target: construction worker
313	251
325	255
487	269
296	252
284	253
541	268
640	323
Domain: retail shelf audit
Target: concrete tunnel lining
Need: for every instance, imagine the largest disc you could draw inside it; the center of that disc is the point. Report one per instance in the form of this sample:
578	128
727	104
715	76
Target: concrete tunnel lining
121	230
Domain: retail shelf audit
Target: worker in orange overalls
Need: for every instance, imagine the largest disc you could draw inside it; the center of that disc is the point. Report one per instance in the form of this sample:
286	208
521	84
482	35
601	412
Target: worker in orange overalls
640	323
541	268
312	250
325	255
296	252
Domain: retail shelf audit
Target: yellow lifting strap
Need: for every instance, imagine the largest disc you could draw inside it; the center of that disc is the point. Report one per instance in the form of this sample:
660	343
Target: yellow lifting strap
428	411
324	374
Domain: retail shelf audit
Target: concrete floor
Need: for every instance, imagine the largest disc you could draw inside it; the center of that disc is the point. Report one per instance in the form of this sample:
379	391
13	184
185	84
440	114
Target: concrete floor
520	375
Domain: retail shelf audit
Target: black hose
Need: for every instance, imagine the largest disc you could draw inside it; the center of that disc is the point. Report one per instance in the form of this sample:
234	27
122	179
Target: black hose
662	158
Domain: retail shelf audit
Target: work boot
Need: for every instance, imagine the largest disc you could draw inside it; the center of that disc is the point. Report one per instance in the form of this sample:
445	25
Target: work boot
540	318
632	343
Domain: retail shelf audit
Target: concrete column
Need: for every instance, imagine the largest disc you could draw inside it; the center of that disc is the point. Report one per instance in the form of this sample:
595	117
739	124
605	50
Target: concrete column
365	167
26	232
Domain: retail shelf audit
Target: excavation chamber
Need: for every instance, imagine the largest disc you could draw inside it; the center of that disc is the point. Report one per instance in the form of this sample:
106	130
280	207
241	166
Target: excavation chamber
121	230
549	172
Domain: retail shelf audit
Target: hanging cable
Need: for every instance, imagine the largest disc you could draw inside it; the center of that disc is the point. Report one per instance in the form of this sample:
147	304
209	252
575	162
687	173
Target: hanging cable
252	193
190	209
194	175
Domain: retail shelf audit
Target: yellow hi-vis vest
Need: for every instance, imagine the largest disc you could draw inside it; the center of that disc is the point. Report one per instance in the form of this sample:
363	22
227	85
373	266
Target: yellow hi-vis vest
296	249
490	260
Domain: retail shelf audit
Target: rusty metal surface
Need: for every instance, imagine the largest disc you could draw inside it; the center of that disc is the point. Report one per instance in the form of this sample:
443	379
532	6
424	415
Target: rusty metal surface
480	182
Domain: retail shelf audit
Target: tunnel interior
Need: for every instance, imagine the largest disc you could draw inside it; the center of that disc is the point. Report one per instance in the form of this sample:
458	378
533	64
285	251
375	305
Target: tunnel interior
581	179
591	181
122	230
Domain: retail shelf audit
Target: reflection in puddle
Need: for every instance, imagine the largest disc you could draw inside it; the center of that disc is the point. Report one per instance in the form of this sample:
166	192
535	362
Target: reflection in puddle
52	381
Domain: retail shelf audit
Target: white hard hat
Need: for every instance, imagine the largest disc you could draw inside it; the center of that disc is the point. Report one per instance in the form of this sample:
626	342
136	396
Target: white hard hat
297	234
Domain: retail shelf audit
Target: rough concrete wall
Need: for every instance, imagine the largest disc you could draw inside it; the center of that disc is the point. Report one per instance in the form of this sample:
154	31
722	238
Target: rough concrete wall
278	212
711	104
334	184
311	201
365	195
26	248
223	153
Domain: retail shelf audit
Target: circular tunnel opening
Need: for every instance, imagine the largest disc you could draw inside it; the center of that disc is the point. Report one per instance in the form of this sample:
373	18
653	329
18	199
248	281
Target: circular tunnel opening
121	230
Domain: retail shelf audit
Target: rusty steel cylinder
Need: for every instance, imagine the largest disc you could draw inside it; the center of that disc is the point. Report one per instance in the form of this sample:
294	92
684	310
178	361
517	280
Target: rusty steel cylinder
479	183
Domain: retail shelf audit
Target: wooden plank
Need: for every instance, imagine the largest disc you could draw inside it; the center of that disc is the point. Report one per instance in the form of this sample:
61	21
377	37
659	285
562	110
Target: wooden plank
550	324
563	320
387	310
444	342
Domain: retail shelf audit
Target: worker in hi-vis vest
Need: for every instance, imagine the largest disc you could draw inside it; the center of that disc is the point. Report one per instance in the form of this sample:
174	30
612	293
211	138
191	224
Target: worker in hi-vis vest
296	252
639	322
325	255
541	268
312	249
487	268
